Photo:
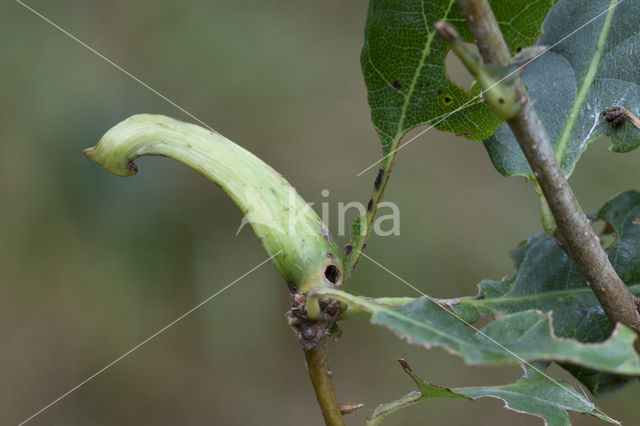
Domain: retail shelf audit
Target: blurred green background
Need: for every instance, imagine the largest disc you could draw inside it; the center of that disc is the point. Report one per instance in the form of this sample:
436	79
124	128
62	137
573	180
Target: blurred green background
92	264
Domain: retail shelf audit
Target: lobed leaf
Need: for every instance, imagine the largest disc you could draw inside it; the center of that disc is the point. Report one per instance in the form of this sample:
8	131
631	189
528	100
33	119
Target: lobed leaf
547	280
523	336
591	66
403	66
535	394
426	391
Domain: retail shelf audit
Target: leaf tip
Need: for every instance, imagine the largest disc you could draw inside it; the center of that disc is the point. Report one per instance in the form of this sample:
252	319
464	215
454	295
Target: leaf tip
404	364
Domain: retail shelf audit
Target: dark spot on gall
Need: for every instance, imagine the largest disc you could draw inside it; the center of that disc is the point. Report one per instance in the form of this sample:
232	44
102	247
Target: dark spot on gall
370	205
501	100
330	255
397	85
439	92
481	297
447	100
347	249
467	132
519	49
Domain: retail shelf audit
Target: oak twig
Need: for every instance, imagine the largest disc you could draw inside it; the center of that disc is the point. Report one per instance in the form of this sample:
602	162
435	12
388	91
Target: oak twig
318	366
573	233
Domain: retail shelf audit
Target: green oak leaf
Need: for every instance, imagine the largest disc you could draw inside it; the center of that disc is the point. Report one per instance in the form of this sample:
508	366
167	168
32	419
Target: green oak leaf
547	280
512	339
601	384
426	391
583	74
533	394
403	65
288	229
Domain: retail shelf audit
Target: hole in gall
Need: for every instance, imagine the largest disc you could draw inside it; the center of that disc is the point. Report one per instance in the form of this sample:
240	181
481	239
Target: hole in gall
332	273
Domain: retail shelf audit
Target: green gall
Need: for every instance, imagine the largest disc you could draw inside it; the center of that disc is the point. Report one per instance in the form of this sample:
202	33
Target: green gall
284	223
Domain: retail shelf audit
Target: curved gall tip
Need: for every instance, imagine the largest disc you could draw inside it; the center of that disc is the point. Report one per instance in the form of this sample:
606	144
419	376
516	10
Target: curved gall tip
88	152
123	168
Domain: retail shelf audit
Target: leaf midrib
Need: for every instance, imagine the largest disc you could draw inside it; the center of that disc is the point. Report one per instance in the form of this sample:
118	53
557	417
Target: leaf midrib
403	318
563	142
374	310
400	129
506	299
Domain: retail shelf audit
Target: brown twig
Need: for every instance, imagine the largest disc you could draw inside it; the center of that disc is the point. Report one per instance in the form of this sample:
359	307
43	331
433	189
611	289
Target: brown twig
573	233
318	366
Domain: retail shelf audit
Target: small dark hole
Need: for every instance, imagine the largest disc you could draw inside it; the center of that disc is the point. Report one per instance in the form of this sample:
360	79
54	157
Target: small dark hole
332	273
448	100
